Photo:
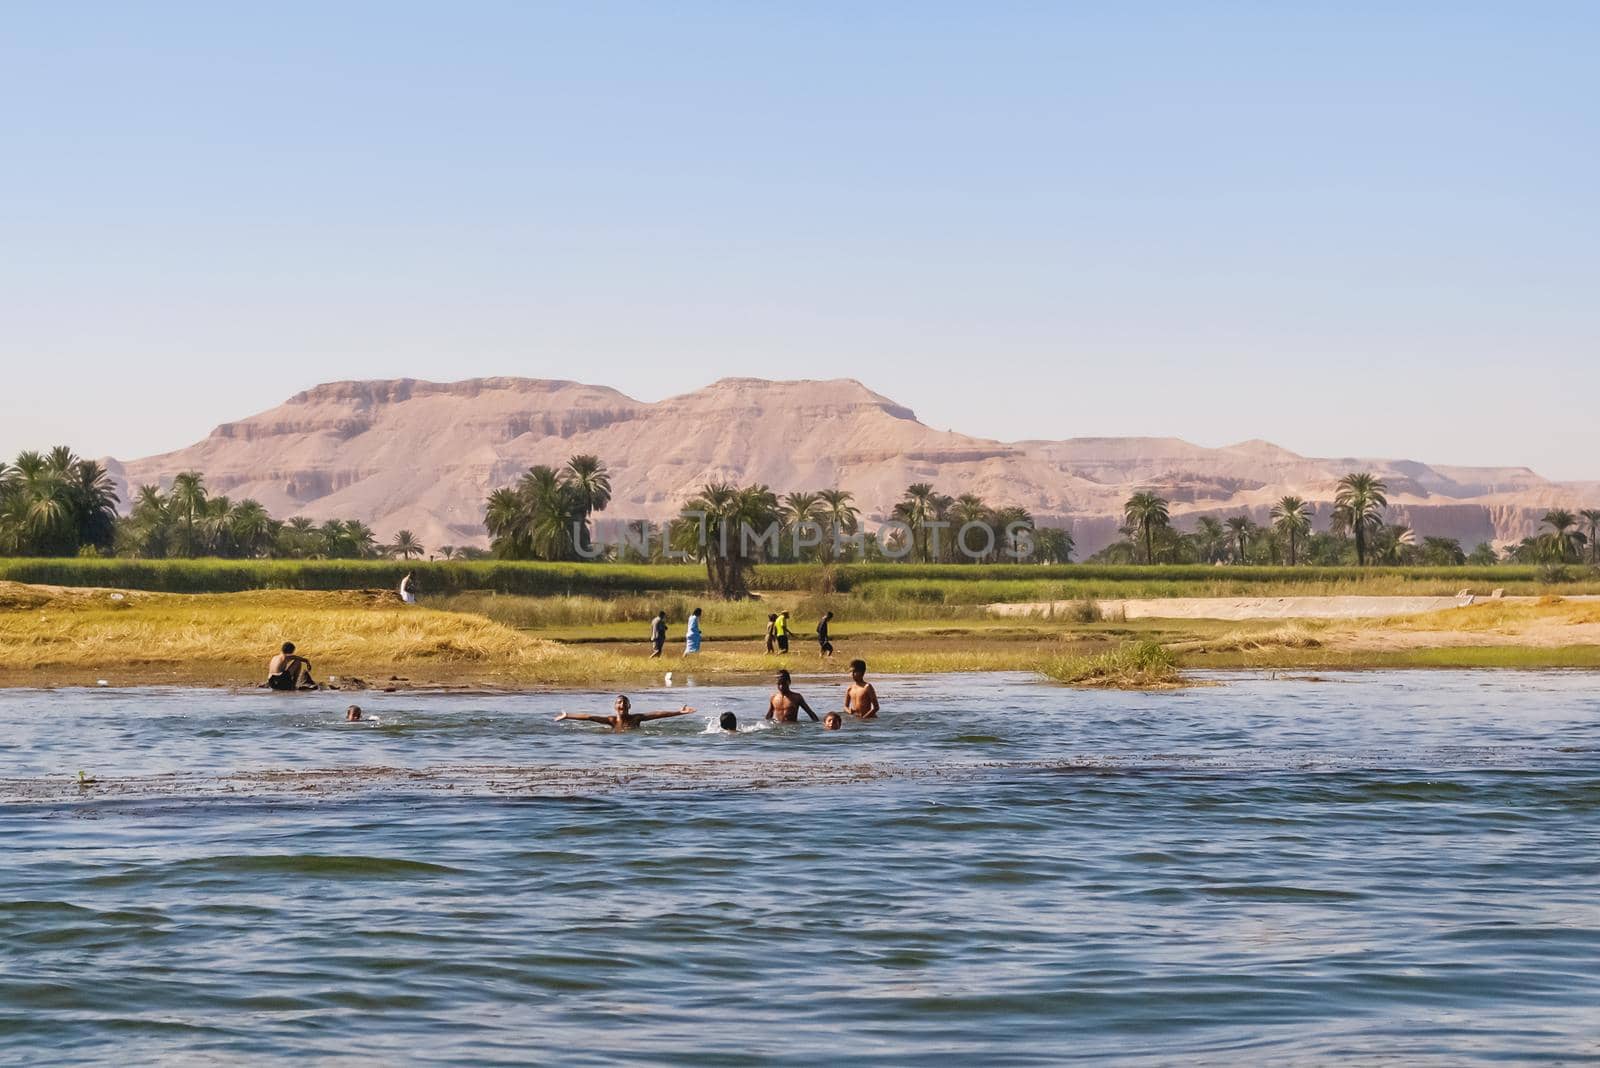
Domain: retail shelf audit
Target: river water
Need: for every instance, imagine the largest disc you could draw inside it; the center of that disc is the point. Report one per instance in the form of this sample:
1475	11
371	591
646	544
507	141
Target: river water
1361	867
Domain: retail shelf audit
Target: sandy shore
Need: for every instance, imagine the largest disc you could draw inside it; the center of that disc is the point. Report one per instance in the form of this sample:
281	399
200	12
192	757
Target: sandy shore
1243	608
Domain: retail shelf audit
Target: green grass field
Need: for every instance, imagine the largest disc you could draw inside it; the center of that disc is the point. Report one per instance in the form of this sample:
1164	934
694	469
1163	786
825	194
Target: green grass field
885	587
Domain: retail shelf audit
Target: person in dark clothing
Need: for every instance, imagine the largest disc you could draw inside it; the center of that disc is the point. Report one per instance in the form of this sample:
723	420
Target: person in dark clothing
658	633
824	646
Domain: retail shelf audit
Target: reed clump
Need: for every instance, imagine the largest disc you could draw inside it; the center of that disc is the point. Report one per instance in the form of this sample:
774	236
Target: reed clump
1141	665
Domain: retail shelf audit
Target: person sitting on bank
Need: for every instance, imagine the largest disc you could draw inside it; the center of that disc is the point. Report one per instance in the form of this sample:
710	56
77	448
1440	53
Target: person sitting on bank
624	720
288	671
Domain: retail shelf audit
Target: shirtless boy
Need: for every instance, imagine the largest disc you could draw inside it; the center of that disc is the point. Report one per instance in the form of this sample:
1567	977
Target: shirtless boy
623	720
860	699
287	671
785	706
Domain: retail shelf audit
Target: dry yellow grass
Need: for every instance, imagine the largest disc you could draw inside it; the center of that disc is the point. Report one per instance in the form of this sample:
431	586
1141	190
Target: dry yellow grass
1501	618
51	635
113	633
1298	634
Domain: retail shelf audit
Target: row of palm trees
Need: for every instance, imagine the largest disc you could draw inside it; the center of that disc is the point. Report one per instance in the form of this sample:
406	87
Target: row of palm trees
1360	500
547	514
716	528
56	504
1564	542
1357	517
187	521
927	512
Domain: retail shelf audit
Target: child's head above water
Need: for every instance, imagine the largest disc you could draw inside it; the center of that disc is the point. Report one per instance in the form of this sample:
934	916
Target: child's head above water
832	721
729	722
353	713
622	703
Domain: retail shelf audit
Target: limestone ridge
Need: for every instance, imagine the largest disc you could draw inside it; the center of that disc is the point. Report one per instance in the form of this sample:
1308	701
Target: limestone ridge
404	453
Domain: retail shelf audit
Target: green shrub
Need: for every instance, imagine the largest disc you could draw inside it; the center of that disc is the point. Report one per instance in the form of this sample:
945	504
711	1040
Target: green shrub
1138	665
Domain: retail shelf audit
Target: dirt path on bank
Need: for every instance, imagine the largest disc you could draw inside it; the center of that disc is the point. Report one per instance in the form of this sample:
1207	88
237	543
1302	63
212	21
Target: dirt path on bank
1245	608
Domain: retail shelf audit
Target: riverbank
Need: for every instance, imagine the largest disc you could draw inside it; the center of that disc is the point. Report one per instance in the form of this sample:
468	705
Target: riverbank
365	640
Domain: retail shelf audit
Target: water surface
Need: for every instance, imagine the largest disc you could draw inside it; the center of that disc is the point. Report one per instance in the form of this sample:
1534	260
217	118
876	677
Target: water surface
1373	866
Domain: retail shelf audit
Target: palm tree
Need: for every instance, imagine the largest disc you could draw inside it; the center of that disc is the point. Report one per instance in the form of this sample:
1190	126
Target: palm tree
1358	507
148	529
1240	529
1393	544
1210	539
1291	518
405	545
299	538
1566	542
39	513
550	513
335	539
1013	527
94	503
1592	517
706	531
1144	512
1442	552
701	530
800	510
502	517
1052	545
360	537
967	509
250	527
841	514
188	499
917	509
589	484
756	508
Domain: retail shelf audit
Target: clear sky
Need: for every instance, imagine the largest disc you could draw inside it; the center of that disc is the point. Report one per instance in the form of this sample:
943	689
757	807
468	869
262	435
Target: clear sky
1354	228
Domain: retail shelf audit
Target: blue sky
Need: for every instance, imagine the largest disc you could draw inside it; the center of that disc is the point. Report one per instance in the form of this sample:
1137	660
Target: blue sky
1350	229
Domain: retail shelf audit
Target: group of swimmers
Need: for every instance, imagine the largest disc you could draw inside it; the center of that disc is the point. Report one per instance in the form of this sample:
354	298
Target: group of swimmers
784	706
289	670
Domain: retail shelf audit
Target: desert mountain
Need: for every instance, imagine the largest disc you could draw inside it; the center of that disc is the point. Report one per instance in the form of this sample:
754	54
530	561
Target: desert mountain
423	456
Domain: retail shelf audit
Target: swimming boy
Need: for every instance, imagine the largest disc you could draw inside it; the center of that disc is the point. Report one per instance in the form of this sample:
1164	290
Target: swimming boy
623	720
286	671
353	713
832	721
729	722
785	706
860	699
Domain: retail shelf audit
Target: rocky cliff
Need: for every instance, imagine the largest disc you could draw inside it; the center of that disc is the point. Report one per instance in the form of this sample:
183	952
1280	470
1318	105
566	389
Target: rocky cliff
424	455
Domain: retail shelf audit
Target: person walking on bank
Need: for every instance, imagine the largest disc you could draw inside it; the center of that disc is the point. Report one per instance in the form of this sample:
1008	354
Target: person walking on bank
658	634
691	634
824	646
781	631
